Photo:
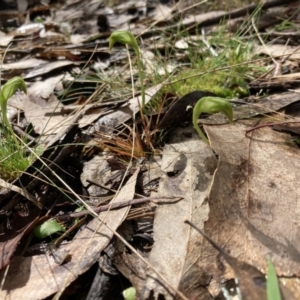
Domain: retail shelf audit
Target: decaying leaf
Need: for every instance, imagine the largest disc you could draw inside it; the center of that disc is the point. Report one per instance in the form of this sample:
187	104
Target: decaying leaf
108	122
44	69
188	165
253	202
43	109
10	241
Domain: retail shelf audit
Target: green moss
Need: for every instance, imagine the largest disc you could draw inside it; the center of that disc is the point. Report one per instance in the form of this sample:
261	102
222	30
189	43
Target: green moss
220	83
225	75
12	162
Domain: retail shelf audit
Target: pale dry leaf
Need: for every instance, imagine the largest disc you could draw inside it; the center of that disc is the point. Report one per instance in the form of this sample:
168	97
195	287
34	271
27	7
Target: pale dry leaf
24	64
278	50
5	39
21	191
181	44
192	19
124	113
15	105
162	12
188	165
148	59
43	109
78	39
31	28
50	66
288	77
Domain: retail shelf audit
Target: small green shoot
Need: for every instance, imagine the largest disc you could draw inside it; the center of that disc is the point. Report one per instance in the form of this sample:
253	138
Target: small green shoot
273	290
48	228
78	209
129	294
211	105
126	38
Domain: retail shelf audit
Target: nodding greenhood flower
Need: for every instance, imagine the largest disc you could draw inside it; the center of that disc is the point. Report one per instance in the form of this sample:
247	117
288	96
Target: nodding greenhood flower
211	105
126	38
123	37
8	90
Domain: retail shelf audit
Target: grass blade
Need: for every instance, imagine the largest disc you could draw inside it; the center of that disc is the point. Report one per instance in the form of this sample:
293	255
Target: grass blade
273	290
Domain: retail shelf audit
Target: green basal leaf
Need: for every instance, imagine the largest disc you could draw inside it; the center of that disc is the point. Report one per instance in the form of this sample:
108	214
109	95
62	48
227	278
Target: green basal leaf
123	37
48	228
129	294
211	105
273	290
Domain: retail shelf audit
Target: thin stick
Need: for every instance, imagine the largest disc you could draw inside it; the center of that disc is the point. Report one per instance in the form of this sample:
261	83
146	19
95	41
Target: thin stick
116	206
269	124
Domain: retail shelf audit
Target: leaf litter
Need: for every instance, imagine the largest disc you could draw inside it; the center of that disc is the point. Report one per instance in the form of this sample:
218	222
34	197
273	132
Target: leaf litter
241	190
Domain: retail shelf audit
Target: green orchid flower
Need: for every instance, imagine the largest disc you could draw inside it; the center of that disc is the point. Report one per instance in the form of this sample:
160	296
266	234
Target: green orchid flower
211	105
7	91
126	38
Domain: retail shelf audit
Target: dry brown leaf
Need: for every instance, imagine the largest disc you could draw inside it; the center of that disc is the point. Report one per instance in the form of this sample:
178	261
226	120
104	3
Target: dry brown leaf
10	240
42	108
254	202
188	165
99	171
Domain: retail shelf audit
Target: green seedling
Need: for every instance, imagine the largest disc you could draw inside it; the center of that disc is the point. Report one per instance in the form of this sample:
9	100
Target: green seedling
7	91
48	228
273	290
211	105
126	38
129	294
